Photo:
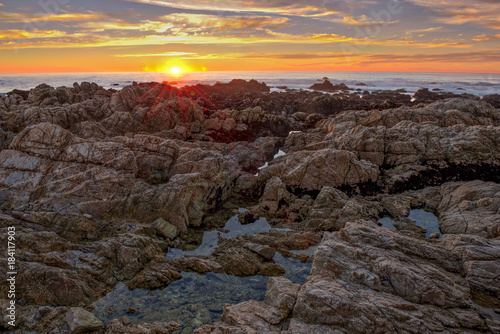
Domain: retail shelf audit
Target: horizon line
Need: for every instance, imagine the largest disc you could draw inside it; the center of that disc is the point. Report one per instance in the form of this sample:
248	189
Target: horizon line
312	71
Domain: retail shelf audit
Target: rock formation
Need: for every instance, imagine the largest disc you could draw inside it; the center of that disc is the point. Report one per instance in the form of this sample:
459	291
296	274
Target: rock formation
99	184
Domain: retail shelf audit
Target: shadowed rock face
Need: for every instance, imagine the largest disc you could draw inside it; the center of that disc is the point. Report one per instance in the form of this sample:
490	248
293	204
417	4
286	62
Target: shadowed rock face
99	183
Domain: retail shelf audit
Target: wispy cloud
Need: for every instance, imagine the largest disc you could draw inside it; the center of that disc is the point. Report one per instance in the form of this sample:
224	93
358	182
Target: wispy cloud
484	37
67	17
461	57
164	54
35	34
363	21
481	12
311	8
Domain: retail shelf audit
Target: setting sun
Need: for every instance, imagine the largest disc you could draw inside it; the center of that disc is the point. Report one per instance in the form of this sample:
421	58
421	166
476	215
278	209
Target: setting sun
175	70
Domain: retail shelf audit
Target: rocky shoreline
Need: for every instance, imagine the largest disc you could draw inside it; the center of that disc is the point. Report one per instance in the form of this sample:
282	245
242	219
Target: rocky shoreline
100	184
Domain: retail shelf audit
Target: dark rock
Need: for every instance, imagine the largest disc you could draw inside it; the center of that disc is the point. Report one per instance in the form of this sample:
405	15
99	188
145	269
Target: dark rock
265	251
327	86
247	217
493	99
23	93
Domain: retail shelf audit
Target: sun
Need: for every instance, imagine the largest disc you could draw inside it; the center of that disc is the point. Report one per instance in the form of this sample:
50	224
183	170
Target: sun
175	70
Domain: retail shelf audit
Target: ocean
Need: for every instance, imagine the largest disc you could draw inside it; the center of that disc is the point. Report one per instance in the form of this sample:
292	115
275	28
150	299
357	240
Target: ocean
477	84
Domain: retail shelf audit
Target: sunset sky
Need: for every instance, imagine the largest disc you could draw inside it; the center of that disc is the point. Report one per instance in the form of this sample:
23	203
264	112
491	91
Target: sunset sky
47	36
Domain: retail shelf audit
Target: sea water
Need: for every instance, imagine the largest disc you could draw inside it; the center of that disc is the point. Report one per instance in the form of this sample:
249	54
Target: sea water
477	84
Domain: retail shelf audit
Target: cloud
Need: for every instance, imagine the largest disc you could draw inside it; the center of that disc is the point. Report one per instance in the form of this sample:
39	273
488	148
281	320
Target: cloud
481	12
310	8
184	24
164	54
226	22
67	17
484	37
22	34
319	55
363	21
460	57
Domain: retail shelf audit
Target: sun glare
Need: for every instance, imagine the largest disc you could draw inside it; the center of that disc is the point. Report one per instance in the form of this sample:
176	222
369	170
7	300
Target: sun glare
175	70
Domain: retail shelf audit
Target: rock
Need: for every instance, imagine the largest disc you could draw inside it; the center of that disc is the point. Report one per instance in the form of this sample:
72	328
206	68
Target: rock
493	99
165	229
235	258
265	251
281	293
438	294
23	93
313	170
100	183
470	208
81	321
131	310
425	96
247	217
436	235
258	316
123	325
328	86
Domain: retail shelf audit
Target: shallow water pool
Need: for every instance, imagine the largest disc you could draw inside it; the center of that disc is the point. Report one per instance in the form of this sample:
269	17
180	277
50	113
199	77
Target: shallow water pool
424	219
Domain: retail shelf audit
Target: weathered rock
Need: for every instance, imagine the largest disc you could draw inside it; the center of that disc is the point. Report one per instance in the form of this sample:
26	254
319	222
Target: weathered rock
99	183
165	229
281	293
328	167
470	208
264	251
328	86
397	280
123	325
81	321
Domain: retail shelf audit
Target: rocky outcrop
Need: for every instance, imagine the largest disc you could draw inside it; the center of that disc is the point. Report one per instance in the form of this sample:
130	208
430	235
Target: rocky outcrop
327	86
470	208
307	170
101	183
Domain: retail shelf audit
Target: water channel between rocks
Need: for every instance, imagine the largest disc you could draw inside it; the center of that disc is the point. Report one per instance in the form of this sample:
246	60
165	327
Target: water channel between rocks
196	300
424	219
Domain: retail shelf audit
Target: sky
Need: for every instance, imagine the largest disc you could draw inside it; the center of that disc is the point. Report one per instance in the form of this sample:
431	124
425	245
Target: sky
54	36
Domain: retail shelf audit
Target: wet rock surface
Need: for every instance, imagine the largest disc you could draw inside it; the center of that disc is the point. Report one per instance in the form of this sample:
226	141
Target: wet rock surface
101	184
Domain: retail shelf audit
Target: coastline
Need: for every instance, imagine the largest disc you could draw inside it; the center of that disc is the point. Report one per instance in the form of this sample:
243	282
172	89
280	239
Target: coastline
286	191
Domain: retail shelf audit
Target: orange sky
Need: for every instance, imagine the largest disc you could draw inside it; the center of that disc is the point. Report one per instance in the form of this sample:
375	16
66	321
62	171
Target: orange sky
252	35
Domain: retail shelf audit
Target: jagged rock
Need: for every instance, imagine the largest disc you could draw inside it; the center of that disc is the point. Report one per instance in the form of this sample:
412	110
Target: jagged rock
123	325
328	167
470	208
493	99
165	229
364	269
281	293
87	173
265	251
328	86
81	321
